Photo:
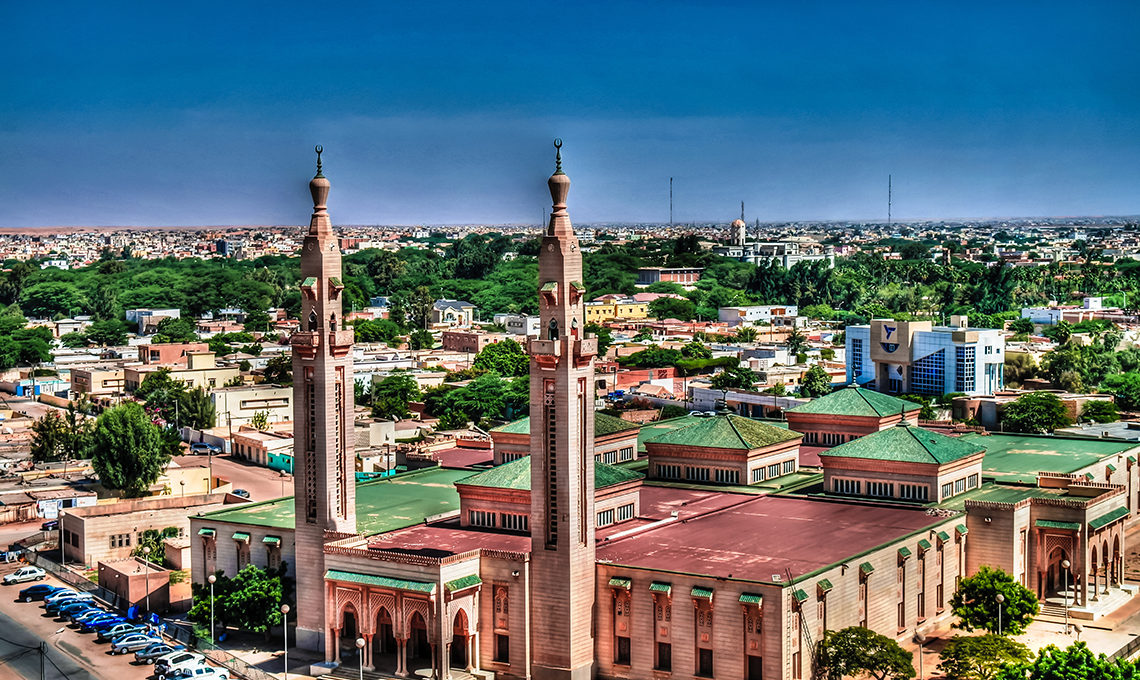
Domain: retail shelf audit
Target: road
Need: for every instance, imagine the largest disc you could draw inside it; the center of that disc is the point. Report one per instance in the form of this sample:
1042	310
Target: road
76	656
261	482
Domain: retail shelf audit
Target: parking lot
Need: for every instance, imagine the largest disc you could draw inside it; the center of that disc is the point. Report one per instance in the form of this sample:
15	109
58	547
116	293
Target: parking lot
78	655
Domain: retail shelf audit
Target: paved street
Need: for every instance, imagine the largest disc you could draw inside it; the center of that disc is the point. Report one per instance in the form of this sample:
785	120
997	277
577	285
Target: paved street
261	482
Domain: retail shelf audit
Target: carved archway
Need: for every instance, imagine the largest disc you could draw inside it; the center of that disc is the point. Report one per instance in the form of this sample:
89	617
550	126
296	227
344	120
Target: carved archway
419	644
384	647
460	635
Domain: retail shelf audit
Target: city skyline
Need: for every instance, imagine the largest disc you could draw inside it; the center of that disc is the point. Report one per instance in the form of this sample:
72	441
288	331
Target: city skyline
445	117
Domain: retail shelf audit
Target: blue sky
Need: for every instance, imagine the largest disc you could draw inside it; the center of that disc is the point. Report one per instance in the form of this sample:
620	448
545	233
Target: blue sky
206	113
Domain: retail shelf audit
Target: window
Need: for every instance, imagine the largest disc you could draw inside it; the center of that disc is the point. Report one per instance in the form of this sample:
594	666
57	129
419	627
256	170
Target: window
966	368
797	666
989	349
789	467
947	490
902	615
626	453
773	470
757	475
605	518
847	486
914	492
482	518
625	512
696	474
621	651
727	476
881	489
705	663
959	486
512	522
856	357
664	657
502	648
927	375
610	457
668	471
755	667
972	481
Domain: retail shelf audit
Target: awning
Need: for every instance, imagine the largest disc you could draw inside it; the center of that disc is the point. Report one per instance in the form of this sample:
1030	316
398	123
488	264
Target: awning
824	586
458	584
961	529
241	536
751	598
800	596
943	536
380	581
702	593
1050	524
866	568
623	583
659	587
1089	476
208	533
271	540
1108	518
924	544
1111	467
904	552
1132	459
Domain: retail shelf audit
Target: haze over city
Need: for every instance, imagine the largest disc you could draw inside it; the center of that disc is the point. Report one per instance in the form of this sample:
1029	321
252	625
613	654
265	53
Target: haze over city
139	114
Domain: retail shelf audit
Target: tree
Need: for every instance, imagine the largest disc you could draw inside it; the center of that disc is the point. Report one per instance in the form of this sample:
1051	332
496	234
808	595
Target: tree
797	342
1100	412
777	390
153	538
260	420
1021	326
196	409
257	320
672	308
61	437
1036	412
604	336
695	350
73	340
740	377
1019	367
51	298
129	452
821	312
976	606
279	371
108	332
421	339
163	395
816	382
1059	333
392	394
927	411
1075	661
981	657
746	334
1125	387
506	358
644	334
859	652
175	330
250	601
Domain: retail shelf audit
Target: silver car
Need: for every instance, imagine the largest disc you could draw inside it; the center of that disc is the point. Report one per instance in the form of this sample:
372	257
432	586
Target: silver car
133	642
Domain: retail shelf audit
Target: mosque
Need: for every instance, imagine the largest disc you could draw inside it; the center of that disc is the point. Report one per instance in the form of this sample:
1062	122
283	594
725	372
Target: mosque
721	551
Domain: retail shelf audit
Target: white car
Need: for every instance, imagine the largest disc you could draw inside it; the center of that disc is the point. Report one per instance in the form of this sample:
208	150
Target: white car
59	595
200	673
24	574
165	666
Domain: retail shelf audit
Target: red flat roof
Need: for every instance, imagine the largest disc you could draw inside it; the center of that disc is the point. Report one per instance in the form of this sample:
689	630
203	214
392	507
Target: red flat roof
763	536
809	456
447	539
458	457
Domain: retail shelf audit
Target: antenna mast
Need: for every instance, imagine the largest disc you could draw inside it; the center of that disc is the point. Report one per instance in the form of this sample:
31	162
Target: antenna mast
888	200
670	201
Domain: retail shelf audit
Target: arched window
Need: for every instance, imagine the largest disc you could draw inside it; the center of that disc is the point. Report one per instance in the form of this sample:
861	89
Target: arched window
552	329
312	320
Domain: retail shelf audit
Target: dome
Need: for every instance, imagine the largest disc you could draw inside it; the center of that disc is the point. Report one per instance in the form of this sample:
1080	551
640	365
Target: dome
738	223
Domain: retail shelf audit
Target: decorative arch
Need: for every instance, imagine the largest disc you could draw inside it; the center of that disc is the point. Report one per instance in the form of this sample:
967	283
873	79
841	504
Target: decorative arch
385	601
346	598
414	607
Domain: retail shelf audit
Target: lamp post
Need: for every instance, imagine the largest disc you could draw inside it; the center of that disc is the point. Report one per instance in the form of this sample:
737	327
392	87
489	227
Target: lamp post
285	634
1000	598
360	654
146	567
1065	564
920	639
183	483
212	578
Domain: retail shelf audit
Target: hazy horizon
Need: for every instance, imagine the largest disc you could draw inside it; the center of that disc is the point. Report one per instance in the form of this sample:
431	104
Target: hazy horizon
144	115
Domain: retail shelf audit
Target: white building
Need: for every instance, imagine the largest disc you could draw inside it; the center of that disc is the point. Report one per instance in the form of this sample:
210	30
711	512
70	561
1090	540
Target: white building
519	324
757	314
914	357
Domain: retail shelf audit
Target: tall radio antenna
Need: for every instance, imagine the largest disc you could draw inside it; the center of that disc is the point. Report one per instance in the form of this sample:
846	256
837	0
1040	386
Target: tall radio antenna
889	200
670	201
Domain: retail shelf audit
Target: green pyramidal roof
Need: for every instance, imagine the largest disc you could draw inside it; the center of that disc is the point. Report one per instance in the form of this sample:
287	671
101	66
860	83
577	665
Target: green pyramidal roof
856	401
603	425
906	443
726	432
516	475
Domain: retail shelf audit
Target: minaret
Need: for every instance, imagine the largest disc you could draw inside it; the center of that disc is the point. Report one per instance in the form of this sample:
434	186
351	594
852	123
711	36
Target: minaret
562	458
323	472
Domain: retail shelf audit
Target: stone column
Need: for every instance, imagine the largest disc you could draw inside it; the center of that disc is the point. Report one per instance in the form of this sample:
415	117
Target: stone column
330	646
1106	575
336	644
367	652
472	649
401	657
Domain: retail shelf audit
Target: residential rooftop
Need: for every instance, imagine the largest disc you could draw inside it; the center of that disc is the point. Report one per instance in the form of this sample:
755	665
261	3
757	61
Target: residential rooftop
725	431
1017	458
857	401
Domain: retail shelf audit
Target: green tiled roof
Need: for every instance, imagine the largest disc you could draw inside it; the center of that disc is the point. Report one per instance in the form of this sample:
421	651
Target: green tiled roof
1050	524
824	585
603	424
904	552
943	536
800	595
857	401
206	532
1108	518
241	536
1111	467
309	282
961	528
516	475
867	568
906	443
726	432
924	544
1017	458
703	593
659	587
623	583
1131	459
549	285
381	581
463	582
272	540
751	598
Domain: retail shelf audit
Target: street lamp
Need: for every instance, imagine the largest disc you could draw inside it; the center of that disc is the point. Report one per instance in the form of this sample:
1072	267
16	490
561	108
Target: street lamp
146	566
285	633
1065	564
360	653
919	638
1000	598
183	483
212	578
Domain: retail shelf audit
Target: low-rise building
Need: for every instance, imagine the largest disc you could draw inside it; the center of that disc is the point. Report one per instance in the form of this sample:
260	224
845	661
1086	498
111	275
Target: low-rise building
848	414
170	353
647	276
472	342
723	449
238	405
259	447
452	313
201	371
758	314
520	324
97	382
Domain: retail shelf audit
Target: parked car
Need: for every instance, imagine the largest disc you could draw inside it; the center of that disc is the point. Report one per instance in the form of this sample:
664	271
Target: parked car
166	665
37	592
102	622
159	649
24	574
74	608
60	594
50	525
133	642
81	618
120	629
56	605
202	449
241	493
200	673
